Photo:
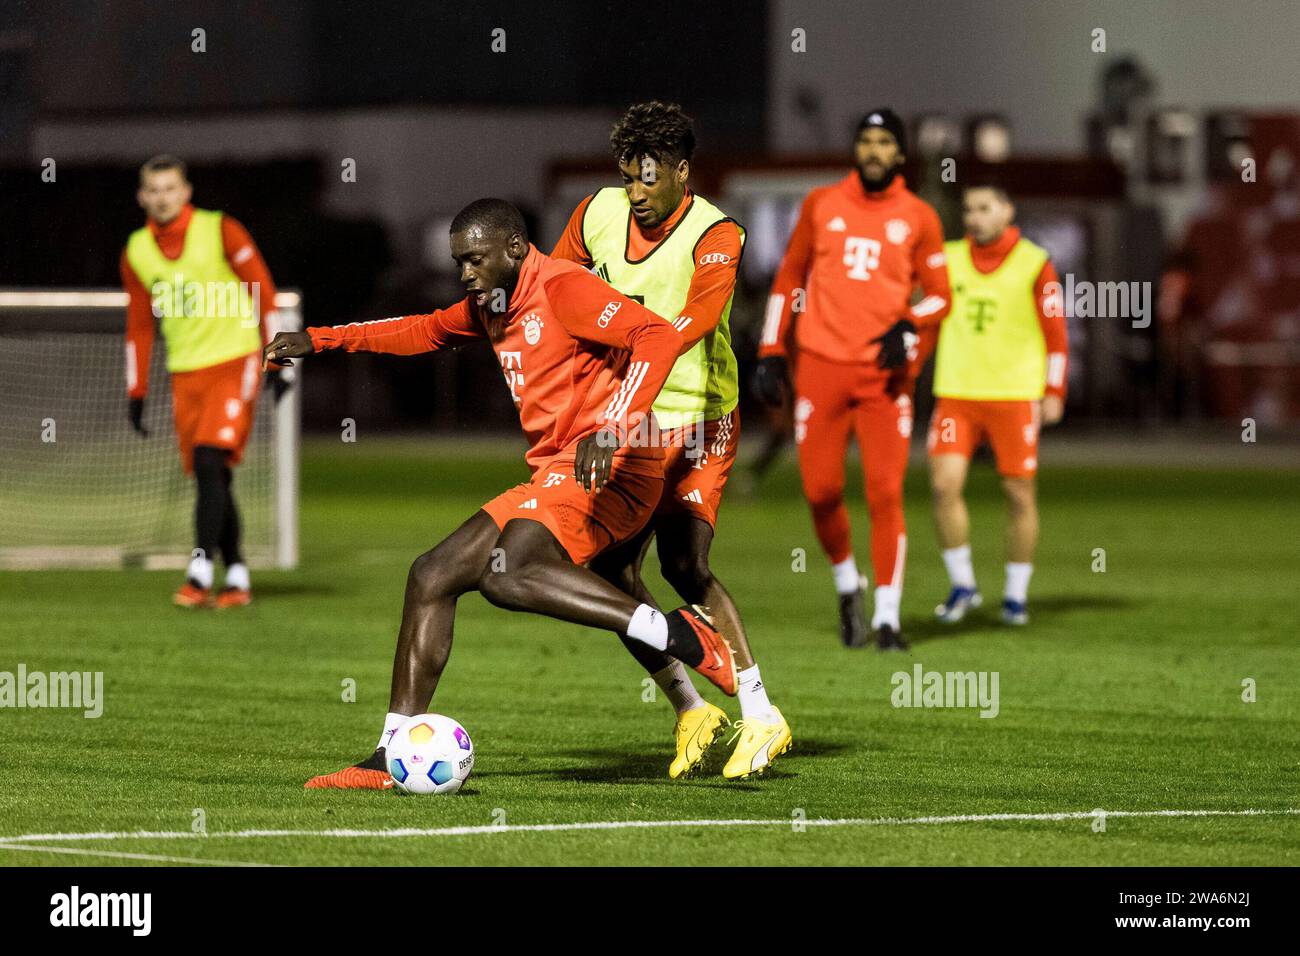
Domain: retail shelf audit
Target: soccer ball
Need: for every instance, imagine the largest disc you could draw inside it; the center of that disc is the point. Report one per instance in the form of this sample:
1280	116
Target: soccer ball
429	753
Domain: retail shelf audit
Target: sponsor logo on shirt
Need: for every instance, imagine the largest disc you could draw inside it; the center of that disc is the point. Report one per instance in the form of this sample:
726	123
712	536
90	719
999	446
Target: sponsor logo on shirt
836	224
610	311
714	258
512	366
862	256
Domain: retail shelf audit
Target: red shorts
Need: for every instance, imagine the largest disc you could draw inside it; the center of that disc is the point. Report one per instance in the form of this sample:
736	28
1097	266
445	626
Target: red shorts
214	406
585	523
958	426
697	461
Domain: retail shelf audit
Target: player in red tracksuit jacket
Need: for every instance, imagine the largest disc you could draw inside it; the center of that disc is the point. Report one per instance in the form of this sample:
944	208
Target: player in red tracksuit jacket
859	249
584	364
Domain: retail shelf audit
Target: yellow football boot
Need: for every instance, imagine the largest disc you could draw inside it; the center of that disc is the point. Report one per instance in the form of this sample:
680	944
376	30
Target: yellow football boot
759	745
696	731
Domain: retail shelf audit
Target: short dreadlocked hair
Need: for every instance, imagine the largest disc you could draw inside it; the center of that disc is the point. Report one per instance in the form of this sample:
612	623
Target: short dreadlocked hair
658	130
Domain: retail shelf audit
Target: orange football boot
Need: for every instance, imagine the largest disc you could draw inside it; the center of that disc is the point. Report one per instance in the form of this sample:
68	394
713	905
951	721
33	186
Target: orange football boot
718	664
234	597
191	595
351	778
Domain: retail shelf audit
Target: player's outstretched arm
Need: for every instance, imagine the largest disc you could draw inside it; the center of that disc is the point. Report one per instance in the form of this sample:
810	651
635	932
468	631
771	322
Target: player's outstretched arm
403	334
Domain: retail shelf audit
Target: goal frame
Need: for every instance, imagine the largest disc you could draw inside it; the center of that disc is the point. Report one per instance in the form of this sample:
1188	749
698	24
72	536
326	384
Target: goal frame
64	304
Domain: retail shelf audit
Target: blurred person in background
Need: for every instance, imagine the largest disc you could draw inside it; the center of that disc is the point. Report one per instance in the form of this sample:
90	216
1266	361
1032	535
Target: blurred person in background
859	249
1000	372
199	273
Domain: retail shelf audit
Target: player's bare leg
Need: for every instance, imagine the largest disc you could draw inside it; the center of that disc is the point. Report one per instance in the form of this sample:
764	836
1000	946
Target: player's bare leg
531	572
763	734
1022	538
683	543
436	580
536	575
698	724
952	524
947	485
621	567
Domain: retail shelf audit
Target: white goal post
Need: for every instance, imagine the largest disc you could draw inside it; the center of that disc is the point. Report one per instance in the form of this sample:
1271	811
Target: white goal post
78	487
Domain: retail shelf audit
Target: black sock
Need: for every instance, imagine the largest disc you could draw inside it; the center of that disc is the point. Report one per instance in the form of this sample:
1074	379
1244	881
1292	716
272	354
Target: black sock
230	529
683	643
376	761
210	503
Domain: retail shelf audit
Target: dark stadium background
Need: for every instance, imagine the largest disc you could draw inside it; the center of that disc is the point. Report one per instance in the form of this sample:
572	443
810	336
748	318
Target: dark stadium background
1130	156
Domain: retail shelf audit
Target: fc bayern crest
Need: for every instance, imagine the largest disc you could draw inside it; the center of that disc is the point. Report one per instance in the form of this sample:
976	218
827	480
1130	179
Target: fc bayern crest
532	329
897	231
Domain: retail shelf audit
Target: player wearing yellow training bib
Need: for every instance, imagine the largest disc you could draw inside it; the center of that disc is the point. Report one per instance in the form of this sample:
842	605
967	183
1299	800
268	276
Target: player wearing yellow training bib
678	254
196	275
1000	373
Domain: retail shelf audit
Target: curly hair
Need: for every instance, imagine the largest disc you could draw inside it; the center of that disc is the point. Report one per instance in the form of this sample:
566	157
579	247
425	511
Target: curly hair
658	130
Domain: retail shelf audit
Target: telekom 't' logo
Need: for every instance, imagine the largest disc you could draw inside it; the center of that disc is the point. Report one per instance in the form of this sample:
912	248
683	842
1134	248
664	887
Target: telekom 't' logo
861	255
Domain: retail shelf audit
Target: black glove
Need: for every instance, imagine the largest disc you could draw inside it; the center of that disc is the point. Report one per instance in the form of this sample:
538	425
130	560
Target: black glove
279	381
896	344
136	412
771	380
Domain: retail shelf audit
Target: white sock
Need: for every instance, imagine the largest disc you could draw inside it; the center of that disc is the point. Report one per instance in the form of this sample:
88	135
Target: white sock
754	704
237	577
1018	573
391	723
649	626
847	579
200	571
888	597
675	681
960	572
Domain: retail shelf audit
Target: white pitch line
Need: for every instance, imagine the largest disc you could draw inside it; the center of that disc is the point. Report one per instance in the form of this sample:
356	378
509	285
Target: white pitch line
637	825
127	856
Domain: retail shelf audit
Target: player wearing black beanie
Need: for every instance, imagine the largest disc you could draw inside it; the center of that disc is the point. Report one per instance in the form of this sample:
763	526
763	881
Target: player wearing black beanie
877	162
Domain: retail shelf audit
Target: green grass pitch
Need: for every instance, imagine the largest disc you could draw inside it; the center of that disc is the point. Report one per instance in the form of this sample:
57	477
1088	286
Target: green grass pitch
1125	693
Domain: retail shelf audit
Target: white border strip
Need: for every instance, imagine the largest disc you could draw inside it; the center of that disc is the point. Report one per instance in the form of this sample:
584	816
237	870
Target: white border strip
634	825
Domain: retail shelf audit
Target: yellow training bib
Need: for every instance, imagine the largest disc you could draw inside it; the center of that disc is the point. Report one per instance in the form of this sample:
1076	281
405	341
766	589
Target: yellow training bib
206	314
991	344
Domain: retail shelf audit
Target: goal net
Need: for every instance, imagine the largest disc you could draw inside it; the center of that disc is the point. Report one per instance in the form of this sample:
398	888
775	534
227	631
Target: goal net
78	486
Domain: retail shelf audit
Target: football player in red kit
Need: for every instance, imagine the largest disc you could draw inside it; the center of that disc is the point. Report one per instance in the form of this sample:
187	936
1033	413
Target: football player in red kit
584	364
859	249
